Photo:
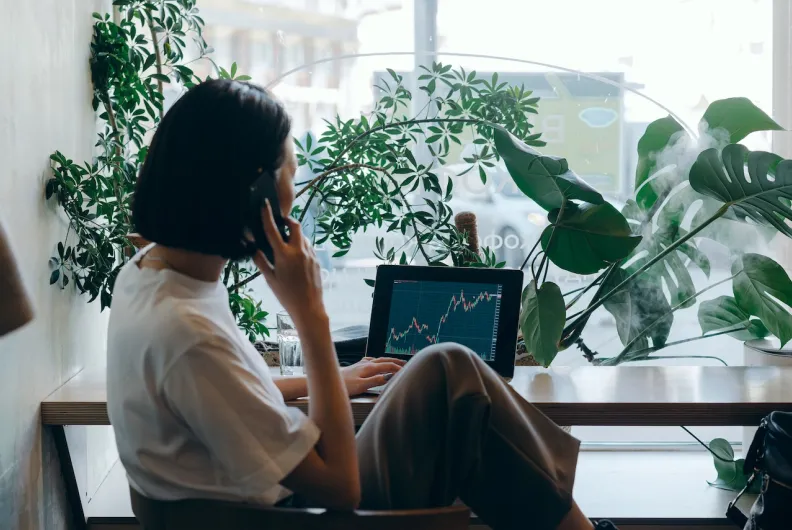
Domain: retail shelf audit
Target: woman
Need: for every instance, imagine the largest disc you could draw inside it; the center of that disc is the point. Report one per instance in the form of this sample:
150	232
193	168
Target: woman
195	410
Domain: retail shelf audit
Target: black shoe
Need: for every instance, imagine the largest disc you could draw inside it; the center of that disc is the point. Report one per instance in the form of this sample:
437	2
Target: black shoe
604	524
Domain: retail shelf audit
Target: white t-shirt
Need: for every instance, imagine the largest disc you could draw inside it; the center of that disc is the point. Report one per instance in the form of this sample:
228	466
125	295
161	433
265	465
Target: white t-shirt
195	411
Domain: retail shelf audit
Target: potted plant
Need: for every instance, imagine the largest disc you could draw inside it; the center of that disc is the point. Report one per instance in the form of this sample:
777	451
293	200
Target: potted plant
365	171
642	254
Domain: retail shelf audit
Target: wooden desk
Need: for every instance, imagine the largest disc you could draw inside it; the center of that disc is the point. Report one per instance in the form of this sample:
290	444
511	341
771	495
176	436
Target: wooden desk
624	395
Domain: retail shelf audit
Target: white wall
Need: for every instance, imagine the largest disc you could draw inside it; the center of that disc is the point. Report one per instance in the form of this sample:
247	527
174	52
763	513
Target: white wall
45	96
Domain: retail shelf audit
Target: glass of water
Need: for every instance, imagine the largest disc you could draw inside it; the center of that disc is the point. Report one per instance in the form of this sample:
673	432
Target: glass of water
289	347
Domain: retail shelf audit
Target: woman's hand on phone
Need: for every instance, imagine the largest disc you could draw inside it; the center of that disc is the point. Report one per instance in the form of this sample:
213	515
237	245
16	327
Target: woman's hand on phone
296	280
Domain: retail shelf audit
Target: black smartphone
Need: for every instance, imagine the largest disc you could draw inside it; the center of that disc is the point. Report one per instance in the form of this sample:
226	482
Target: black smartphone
261	190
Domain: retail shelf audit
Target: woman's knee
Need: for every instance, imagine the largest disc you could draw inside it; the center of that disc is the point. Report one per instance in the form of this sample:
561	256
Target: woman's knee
448	354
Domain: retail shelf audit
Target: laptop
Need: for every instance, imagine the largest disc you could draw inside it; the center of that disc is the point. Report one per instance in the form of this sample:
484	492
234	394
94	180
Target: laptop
415	307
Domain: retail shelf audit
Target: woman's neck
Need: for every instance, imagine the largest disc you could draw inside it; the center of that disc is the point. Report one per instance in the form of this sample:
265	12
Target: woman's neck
204	267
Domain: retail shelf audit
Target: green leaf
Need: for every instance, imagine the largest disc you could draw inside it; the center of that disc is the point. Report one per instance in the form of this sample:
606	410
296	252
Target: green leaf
730	471
545	179
370	283
54	276
588	238
160	77
723	312
739	116
542	319
762	195
672	270
233	69
759	285
657	136
638	305
243	78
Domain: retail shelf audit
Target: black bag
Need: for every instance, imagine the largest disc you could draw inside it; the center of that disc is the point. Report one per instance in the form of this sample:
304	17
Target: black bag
770	460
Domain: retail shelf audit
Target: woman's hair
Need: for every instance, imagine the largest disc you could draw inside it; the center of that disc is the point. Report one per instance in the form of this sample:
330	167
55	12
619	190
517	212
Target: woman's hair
194	188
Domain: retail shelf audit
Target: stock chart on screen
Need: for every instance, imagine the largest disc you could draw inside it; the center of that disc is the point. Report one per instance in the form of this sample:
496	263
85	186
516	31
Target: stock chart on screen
425	312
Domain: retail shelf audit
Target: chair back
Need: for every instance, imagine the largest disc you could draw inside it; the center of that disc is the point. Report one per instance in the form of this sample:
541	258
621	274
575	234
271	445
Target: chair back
197	514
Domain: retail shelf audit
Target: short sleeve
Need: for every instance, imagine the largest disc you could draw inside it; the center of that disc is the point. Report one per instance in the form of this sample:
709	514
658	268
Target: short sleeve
242	420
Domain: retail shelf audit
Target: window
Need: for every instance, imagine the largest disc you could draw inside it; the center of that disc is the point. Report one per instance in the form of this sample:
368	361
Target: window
603	75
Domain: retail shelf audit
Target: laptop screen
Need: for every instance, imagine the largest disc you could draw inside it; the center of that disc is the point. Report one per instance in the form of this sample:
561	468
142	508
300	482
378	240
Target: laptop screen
423	313
416	307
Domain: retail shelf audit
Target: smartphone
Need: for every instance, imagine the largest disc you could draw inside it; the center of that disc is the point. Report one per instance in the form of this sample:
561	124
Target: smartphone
261	190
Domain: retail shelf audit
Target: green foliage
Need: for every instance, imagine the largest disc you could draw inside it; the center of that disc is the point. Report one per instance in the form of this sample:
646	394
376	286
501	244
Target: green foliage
368	171
542	320
131	61
761	286
730	471
723	312
739	117
763	194
646	249
545	179
587	238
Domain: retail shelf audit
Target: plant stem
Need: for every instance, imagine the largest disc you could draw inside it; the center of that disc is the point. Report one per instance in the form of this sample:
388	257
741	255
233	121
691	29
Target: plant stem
637	355
654	357
661	317
239	284
111	118
539	240
157	56
378	128
412	218
311	183
573	291
705	446
722	210
585	289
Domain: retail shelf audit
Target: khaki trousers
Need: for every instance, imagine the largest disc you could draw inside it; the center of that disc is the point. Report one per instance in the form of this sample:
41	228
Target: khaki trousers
448	427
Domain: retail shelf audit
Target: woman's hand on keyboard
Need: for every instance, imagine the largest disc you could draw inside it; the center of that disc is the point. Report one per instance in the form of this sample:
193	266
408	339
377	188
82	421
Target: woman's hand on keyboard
369	373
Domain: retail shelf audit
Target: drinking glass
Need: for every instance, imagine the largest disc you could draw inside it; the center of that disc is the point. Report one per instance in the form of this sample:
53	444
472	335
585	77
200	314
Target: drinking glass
289	347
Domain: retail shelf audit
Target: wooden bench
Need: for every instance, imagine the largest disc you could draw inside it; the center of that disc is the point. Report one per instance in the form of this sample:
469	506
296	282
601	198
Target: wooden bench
618	396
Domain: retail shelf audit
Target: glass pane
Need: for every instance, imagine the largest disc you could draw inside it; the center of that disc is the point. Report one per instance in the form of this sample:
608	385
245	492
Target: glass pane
601	75
603	71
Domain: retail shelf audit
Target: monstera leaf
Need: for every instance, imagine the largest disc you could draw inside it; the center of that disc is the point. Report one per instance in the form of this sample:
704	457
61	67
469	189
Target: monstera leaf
636	306
542	319
672	270
739	117
731	119
658	135
723	313
545	179
588	237
762	288
761	194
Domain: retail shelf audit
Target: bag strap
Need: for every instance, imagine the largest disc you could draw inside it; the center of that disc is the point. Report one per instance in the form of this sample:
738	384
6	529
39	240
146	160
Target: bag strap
733	513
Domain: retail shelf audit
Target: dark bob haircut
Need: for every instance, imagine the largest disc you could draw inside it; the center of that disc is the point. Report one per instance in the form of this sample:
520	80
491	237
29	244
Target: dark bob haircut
210	146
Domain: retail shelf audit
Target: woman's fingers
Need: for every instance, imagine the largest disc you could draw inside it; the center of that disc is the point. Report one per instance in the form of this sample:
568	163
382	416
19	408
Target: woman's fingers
270	228
263	264
382	368
295	229
400	362
376	380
